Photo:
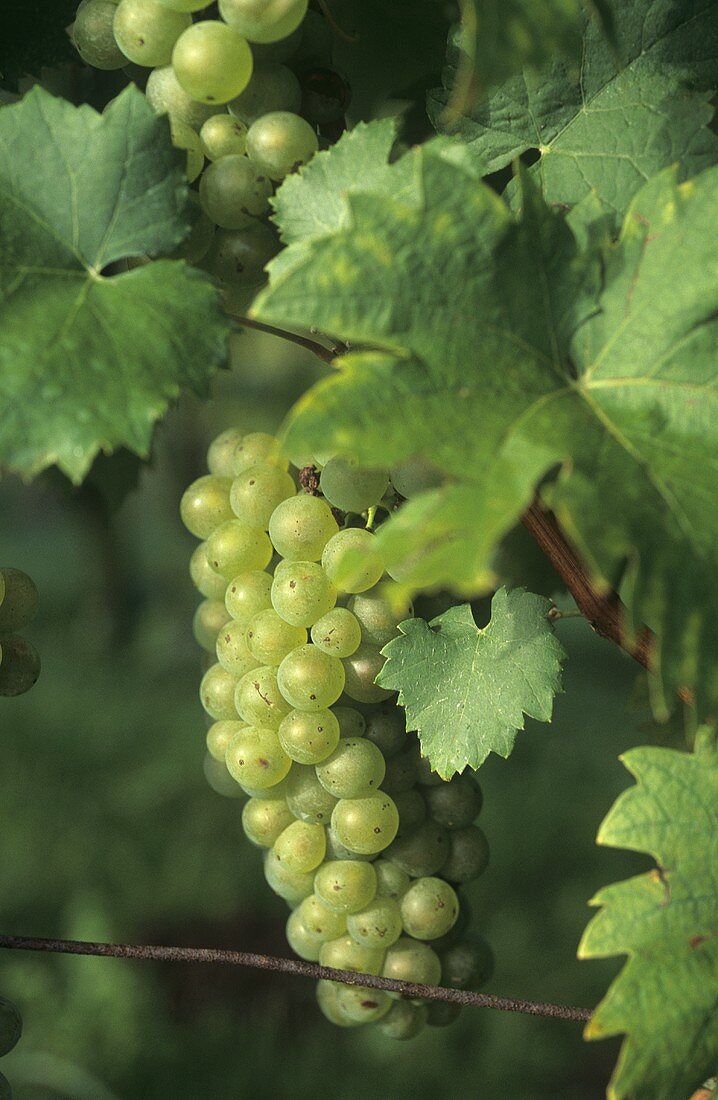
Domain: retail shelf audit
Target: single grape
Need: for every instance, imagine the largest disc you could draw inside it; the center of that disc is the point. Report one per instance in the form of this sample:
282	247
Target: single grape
220	456
146	31
468	854
232	650
345	886
280	142
429	908
467	964
326	95
377	925
352	487
309	738
256	759
212	586
301	939
343	953
264	20
270	638
378	616
257	491
336	850
186	139
391	881
209	618
442	1013
354	770
223	136
248	594
293	886
422	852
425	774
301	847
455	804
386	727
167	96
404	1020
327	1001
401	776
219	779
337	633
219	735
361	670
301	593
205	505
351	722
234	548
94	36
19	666
320	921
217	693
411	807
351	560
409	960
273	87
309	679
185	5
256	448
258	699
265	819
18	600
307	798
366	825
233	193
301	527
414	477
360	1003
212	62
10	1026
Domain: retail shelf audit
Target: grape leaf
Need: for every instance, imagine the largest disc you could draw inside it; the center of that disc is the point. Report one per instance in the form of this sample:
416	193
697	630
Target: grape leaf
466	690
666	921
89	360
611	125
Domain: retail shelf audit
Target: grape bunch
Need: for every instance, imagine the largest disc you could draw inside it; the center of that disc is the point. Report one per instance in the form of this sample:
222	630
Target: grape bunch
10	1032
248	96
366	844
19	661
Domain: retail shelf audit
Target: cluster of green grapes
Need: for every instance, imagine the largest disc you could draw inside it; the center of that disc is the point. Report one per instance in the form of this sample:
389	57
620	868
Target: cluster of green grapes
366	844
19	661
10	1032
249	91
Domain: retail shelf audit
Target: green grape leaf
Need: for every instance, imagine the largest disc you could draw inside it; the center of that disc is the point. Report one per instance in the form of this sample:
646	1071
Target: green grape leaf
90	359
466	690
666	921
616	121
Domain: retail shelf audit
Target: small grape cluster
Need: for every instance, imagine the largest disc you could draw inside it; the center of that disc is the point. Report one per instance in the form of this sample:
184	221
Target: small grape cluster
10	1032
250	91
366	844
19	661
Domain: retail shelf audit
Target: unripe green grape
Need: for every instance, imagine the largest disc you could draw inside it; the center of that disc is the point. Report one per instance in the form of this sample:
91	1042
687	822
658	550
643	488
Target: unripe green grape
219	736
258	699
232	650
351	560
411	807
257	491
223	136
220	455
219	779
309	738
94	36
270	638
352	487
337	633
429	908
307	798
378	616
386	727
422	852
391	881
212	62
256	448
273	87
301	527
321	921
233	193
377	925
302	593
327	1001
309	679
361	670
205	505
256	759
234	548
293	886
209	583
146	31
185	138
410	960
216	692
264	819
247	594
442	1013
301	847
336	850
404	1020
209	618
366	825
414	477
167	96
10	1026
467	964
280	142
363	1004
455	804
239	256
185	5
345	886
264	20
301	939
425	774
401	776
354	770
468	855
18	600
351	721
343	953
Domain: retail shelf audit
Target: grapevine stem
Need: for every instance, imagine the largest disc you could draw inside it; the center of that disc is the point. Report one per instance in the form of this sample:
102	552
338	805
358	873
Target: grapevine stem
294	966
328	355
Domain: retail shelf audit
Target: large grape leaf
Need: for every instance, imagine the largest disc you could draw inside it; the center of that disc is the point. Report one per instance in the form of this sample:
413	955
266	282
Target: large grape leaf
89	359
666	921
466	690
509	359
617	120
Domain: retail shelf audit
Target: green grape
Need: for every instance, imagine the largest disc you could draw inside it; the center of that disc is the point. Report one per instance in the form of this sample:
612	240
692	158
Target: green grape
273	87
410	960
234	548
280	142
209	618
455	804
411	807
316	46
414	477
320	921
19	666
219	735
301	939
232	192
256	759
327	1001
351	560
293	886
258	699
201	233
146	31
219	779
278	51
362	1004
467	964
401	776
345	886
429	908
264	819
377	925
167	96
442	1013
343	953
422	852
18	600
309	738
223	136
337	633
336	850
468	855
386	727
301	527
232	650
184	137
354	770
309	679
366	825
351	722
94	36
404	1020
256	448
391	881
257	491
248	594
238	257
301	847
458	932
352	487
301	593
10	1026
378	616
307	798
185	5
212	62
270	638
220	456
360	671
279	790
217	693
264	20
425	774
205	505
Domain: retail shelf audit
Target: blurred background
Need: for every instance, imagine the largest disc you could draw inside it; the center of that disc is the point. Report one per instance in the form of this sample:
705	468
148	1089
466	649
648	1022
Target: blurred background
111	832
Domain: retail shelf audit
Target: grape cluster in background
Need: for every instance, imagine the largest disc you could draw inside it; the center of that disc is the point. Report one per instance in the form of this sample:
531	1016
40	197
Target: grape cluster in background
368	846
19	660
250	96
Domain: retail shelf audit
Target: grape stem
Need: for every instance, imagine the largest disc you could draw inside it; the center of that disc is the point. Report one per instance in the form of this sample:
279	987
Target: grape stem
326	354
298	967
